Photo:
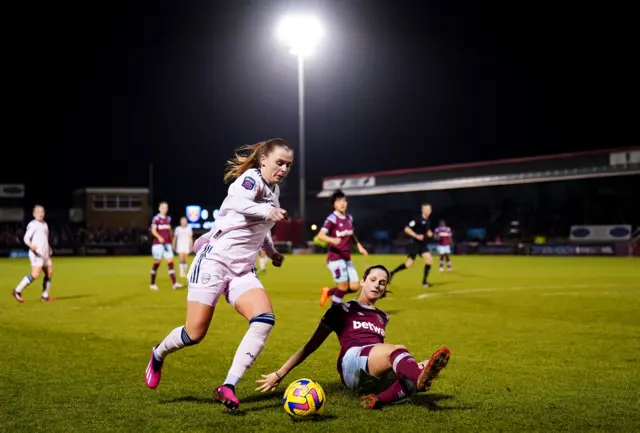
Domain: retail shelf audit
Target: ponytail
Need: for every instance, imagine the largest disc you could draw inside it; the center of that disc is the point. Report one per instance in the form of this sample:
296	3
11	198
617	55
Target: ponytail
248	156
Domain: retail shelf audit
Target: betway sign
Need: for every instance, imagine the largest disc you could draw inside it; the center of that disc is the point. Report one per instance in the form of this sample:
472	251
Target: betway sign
349	182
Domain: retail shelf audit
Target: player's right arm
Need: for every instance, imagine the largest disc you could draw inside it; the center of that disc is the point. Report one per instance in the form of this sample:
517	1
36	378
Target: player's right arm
331	321
242	199
28	236
271	381
154	232
409	230
323	234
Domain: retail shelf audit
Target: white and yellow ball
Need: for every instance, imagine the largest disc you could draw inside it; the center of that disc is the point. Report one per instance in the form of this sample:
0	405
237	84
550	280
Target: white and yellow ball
304	398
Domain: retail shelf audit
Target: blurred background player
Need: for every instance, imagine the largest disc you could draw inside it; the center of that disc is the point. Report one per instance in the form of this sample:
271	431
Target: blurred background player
225	263
366	364
420	230
263	257
444	236
337	231
161	248
183	244
37	239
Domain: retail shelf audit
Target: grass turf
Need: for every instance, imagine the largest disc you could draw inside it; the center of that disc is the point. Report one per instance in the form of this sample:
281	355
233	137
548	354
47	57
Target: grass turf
537	344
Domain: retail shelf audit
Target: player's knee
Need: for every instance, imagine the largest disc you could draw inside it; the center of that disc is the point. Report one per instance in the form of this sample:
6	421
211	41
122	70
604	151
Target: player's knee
35	274
354	287
409	264
193	335
263	323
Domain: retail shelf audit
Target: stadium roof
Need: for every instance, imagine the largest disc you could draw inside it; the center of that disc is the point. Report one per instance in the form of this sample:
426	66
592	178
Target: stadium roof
565	166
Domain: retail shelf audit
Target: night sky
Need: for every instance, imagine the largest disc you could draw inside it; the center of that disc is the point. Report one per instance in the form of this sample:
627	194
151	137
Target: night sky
98	92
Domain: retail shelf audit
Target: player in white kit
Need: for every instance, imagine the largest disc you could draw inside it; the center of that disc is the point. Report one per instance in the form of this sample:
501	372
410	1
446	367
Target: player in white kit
225	263
183	244
37	239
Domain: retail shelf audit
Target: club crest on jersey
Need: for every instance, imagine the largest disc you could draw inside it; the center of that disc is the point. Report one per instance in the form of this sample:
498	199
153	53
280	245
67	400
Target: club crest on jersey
248	183
380	319
206	278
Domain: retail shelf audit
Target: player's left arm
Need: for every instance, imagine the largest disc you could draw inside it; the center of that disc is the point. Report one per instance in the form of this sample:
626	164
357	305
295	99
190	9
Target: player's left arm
269	248
270	381
361	248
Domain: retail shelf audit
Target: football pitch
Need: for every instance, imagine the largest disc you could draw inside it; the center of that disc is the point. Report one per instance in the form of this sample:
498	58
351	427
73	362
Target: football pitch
537	344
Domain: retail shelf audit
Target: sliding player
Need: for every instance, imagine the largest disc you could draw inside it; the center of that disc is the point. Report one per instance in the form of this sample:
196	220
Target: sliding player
37	239
420	230
225	263
183	244
444	236
337	231
161	248
365	359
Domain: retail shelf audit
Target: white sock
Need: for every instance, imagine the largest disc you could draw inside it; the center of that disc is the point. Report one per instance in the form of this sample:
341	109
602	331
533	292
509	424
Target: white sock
263	262
250	346
46	285
24	283
183	269
176	340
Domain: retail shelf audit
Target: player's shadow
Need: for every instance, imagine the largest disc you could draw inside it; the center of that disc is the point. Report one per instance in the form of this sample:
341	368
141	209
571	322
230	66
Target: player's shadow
64	298
431	402
190	399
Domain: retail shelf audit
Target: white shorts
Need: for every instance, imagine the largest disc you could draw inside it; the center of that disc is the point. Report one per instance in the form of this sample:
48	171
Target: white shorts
444	249
209	279
162	251
343	271
183	248
39	261
354	367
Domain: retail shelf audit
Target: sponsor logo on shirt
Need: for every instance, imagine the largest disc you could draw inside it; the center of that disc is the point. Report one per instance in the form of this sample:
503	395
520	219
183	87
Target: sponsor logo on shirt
369	326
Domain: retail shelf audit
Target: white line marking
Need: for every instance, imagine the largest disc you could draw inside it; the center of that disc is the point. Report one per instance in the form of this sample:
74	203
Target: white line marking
515	288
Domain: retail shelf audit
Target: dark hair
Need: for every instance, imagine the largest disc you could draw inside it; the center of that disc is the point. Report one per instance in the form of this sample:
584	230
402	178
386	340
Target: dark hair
426	204
337	195
382	268
242	162
443	223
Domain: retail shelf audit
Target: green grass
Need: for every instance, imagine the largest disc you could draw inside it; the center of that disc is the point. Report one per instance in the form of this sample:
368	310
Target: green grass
545	344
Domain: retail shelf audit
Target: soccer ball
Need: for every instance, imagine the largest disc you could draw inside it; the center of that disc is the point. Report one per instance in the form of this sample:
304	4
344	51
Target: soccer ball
304	398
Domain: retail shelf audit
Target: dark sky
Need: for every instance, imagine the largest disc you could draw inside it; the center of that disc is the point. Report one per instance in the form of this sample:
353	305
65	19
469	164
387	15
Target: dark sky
100	89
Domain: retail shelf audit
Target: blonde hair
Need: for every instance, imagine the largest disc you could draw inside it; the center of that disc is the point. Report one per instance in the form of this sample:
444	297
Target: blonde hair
248	156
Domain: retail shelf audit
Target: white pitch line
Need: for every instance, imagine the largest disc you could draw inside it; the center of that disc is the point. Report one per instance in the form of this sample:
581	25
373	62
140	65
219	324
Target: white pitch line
512	289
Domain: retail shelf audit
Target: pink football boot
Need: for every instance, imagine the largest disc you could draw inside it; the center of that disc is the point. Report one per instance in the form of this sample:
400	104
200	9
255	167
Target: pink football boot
154	372
226	396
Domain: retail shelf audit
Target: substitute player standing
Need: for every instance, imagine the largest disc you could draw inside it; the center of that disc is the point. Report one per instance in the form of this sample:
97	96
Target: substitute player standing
37	239
225	263
420	230
161	248
183	244
444	236
337	231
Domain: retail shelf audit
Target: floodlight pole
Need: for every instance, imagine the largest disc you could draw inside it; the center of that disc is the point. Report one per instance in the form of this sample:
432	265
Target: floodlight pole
303	195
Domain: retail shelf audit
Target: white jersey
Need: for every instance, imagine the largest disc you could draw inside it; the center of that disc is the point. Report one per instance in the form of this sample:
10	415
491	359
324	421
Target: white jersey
38	234
241	227
183	236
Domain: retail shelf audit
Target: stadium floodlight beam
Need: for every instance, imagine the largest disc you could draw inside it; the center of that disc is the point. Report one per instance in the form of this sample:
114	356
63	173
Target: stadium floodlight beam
301	34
